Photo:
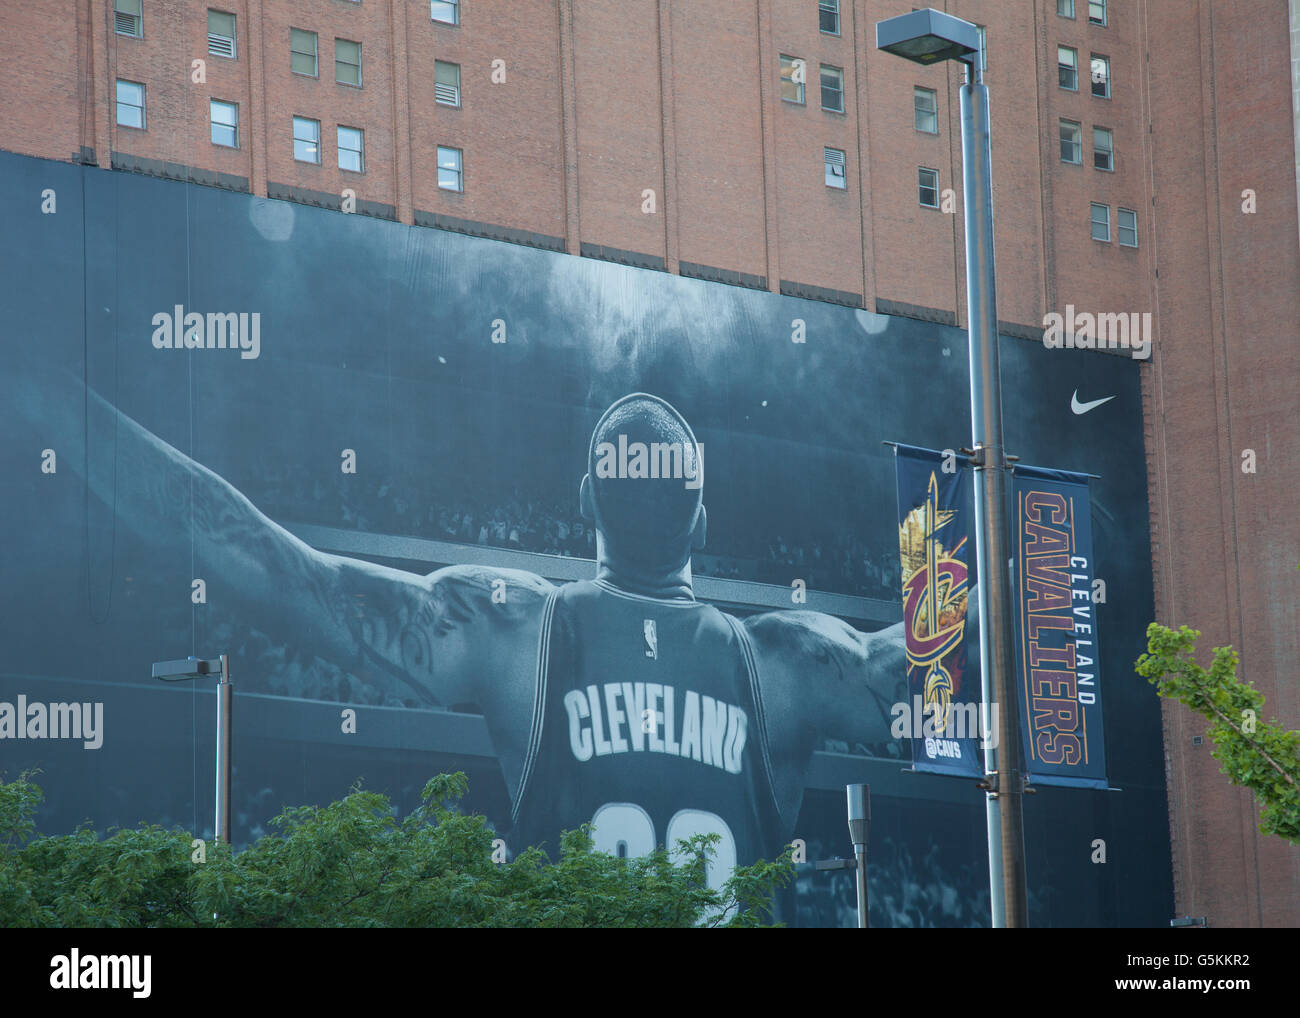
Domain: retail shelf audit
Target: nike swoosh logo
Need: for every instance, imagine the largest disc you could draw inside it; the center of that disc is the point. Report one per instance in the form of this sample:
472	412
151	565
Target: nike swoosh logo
1083	408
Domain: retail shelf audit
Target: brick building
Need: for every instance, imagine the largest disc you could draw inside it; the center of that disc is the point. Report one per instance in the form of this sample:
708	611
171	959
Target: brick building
1146	158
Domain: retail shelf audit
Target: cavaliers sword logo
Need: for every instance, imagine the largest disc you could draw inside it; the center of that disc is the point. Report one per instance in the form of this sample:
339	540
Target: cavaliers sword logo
934	601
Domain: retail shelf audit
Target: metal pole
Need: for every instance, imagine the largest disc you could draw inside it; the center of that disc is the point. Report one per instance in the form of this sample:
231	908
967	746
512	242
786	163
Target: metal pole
861	852
859	803
225	744
1004	802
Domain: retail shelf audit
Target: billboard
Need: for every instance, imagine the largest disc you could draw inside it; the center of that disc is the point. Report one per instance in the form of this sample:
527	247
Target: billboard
619	544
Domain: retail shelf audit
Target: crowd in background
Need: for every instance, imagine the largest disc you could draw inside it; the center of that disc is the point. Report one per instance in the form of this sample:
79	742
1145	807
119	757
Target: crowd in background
904	891
836	560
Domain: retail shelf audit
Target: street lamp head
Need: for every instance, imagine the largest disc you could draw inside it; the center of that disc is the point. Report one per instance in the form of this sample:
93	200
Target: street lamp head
928	37
186	668
859	803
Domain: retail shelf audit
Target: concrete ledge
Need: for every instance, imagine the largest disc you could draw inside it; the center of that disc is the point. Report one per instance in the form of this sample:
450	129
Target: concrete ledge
903	310
714	275
822	293
615	254
491	231
174	171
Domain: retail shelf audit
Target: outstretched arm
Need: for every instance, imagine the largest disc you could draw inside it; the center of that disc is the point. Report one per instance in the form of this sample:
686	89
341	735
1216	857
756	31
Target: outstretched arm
825	680
401	623
822	679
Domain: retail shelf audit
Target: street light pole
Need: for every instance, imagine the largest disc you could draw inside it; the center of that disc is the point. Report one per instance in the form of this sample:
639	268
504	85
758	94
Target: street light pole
859	808
225	747
1004	796
197	668
928	37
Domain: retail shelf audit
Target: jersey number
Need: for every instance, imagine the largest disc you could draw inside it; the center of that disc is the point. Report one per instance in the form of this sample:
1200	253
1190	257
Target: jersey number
625	829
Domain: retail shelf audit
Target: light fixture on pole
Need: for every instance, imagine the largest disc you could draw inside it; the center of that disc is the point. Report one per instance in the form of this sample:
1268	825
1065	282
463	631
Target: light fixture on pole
859	797
928	37
197	668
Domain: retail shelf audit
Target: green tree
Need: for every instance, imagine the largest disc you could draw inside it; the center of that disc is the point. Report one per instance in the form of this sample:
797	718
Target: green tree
353	863
1259	755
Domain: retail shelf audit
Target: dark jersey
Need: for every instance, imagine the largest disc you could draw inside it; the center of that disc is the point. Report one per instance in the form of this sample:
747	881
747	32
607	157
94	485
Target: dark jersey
648	723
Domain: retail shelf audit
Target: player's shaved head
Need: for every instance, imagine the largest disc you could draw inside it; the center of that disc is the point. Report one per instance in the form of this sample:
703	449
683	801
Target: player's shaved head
647	502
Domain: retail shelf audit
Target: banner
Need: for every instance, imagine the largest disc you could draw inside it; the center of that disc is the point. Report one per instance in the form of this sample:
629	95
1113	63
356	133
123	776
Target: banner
1056	631
941	715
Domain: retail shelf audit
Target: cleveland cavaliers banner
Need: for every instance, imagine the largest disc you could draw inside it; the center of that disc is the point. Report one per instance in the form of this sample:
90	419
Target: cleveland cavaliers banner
1056	629
941	715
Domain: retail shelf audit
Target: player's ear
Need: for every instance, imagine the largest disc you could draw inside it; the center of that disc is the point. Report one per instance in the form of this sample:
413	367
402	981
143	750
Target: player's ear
699	532
585	504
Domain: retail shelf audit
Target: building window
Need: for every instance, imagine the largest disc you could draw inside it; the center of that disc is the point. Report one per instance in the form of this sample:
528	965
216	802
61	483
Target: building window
984	49
130	104
225	123
1067	67
1071	142
302	46
927	187
446	11
352	149
446	84
1101	76
347	62
832	89
450	175
1097	12
1065	9
1128	228
221	34
835	169
306	140
1101	222
925	109
793	75
828	16
127	18
1103	148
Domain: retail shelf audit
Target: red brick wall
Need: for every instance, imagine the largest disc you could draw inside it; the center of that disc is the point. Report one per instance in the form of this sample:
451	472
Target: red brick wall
1224	380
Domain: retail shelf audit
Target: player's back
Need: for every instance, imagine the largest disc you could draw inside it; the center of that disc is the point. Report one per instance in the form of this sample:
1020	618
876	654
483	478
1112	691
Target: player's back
649	724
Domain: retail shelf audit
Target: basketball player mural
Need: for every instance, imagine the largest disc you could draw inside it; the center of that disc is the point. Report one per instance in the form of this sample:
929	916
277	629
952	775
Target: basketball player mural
621	700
